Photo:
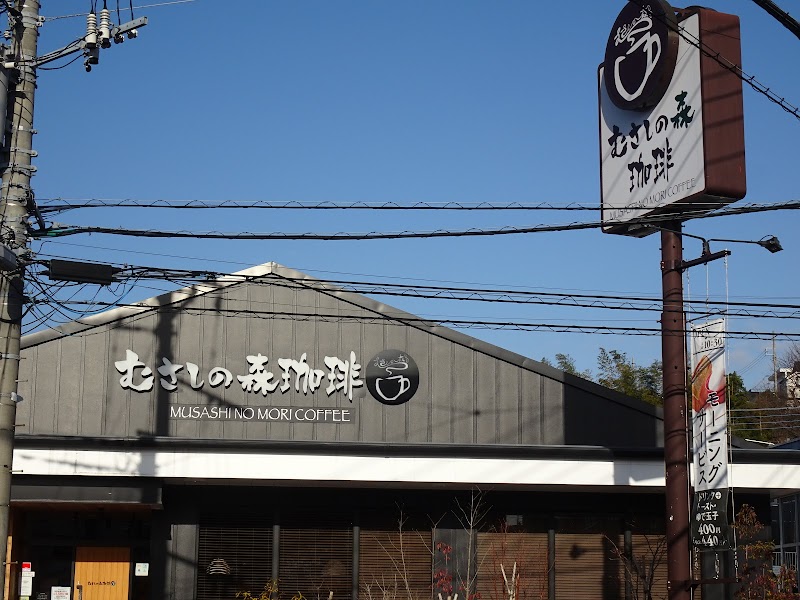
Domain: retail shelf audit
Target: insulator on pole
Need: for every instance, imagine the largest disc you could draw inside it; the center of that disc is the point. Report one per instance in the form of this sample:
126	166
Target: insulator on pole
91	30
105	28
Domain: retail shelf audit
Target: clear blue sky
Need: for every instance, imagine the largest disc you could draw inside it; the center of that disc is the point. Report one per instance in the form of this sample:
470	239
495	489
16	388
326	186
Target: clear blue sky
348	101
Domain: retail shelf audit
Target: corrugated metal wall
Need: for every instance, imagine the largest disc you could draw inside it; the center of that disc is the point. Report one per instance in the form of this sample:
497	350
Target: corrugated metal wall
469	392
464	396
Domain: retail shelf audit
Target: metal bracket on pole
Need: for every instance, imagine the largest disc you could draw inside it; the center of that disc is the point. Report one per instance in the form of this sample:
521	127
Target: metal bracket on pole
32	153
705	258
128	27
28	170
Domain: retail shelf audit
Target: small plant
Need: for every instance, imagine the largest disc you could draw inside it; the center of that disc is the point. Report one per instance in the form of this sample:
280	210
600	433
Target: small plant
758	581
443	579
642	565
270	592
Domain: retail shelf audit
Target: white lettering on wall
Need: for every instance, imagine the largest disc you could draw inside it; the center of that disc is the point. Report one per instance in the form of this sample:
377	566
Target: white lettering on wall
342	375
262	413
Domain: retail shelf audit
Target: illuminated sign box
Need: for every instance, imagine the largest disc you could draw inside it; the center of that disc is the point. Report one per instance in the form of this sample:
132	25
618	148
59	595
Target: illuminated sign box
676	148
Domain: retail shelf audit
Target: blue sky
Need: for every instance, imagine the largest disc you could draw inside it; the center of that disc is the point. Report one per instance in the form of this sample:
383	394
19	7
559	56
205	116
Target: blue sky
356	101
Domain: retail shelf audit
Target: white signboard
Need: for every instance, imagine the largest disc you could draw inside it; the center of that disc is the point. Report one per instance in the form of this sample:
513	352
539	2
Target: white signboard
654	158
25	584
60	593
709	406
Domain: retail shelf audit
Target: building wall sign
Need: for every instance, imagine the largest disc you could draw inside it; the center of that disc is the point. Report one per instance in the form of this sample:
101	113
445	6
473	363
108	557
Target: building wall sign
270	414
392	377
640	54
342	376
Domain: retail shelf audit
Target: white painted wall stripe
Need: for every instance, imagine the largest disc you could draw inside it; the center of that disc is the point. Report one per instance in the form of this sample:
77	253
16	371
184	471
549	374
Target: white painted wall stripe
238	466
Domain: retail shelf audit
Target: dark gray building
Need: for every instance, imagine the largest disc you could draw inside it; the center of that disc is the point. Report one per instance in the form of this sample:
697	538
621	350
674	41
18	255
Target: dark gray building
272	430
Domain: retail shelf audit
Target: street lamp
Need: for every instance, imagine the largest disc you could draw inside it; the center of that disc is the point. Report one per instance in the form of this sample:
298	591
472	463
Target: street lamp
771	243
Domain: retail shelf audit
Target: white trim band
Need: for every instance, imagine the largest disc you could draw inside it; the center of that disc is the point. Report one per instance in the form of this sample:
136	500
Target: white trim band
277	467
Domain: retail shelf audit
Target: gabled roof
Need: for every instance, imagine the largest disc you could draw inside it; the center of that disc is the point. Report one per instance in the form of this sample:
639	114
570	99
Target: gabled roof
274	270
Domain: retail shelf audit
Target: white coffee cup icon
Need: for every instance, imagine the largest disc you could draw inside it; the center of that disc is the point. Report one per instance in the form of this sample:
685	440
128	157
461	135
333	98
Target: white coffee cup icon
400	382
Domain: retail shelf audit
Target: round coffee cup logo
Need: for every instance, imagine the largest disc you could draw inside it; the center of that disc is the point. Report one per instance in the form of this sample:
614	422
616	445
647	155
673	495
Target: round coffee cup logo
640	54
392	377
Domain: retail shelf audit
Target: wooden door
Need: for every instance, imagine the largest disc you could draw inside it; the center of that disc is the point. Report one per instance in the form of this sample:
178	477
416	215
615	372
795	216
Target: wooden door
102	573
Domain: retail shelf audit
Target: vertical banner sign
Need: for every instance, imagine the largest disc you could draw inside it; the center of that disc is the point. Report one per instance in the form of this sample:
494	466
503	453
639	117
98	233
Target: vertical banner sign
709	435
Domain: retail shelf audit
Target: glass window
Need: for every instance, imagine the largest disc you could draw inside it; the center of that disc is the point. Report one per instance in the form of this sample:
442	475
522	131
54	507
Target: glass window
233	559
775	519
316	562
789	521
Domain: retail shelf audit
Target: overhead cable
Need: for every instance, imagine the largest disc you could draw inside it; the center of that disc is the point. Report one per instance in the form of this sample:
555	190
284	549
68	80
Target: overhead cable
730	66
780	15
407	319
465	294
61	229
157	4
52	205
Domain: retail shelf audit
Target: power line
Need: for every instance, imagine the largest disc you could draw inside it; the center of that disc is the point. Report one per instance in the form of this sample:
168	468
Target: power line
780	15
730	66
61	230
118	10
406	319
382	276
464	294
765	408
52	205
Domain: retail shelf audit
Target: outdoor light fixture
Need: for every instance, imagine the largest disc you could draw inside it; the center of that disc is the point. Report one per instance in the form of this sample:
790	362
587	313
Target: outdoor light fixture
771	243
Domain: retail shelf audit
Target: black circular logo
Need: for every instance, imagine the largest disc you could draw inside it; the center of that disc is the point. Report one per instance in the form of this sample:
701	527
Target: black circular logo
392	377
640	54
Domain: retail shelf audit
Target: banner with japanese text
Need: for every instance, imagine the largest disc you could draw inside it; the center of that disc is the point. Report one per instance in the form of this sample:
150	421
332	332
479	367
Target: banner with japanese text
709	434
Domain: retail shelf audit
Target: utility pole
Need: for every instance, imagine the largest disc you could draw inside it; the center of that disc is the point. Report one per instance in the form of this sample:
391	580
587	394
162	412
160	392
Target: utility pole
774	368
676	453
17	203
16	196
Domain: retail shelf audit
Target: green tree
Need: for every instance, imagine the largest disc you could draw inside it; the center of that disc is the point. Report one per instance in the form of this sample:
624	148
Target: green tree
739	398
566	363
736	394
620	373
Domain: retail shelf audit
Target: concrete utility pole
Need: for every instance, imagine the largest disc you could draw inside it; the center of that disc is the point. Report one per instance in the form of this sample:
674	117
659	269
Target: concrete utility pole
16	196
676	453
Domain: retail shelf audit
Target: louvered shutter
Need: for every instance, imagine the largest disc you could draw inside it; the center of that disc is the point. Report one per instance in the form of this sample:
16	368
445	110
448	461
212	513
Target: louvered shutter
395	565
586	568
316	562
650	552
232	559
527	550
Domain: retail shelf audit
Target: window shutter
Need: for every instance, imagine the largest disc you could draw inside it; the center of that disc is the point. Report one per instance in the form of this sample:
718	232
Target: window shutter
232	559
527	550
586	568
316	562
395	565
646	548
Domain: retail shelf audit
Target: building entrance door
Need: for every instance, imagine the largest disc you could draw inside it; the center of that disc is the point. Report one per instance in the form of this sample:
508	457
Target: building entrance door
102	573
